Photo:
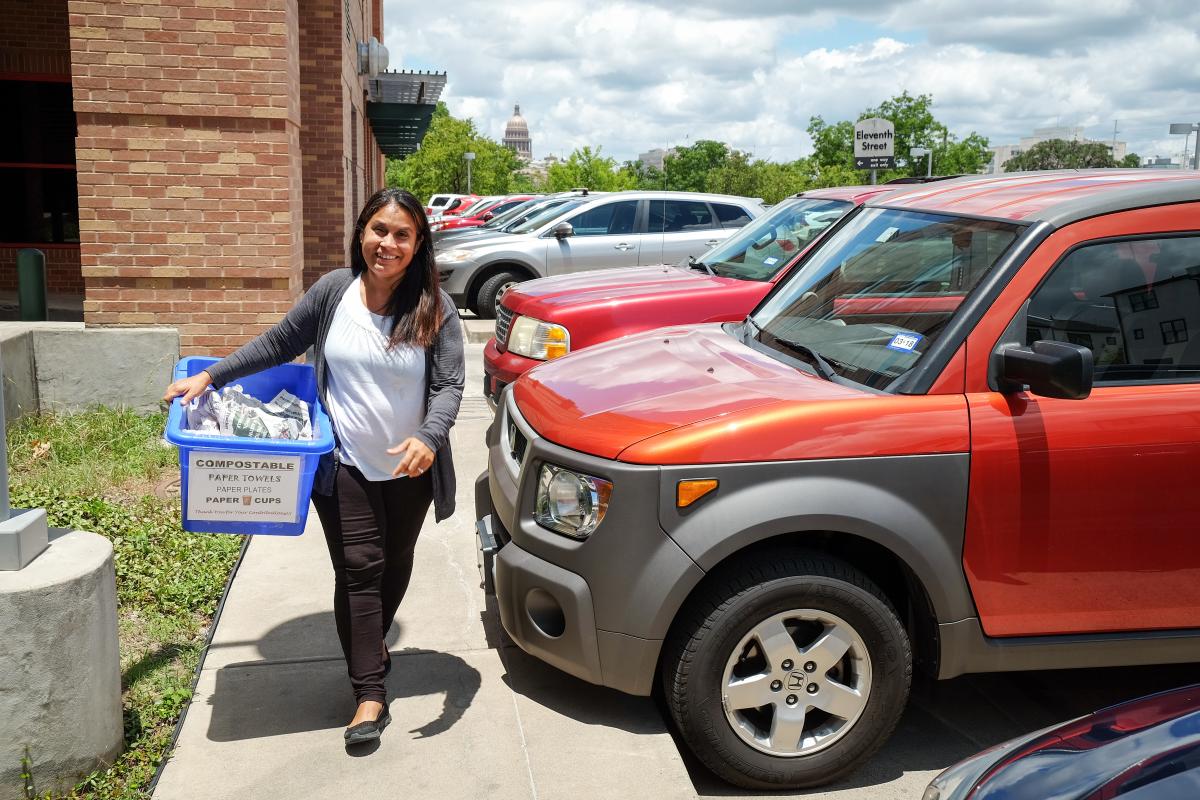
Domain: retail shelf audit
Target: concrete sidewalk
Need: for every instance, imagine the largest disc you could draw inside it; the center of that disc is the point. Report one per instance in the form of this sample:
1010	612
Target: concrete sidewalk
471	718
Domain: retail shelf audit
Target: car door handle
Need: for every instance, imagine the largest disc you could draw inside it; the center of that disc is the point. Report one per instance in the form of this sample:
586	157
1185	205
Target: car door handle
623	246
712	243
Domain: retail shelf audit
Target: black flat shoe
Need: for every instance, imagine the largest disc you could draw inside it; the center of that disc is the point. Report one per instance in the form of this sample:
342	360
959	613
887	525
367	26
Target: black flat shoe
368	731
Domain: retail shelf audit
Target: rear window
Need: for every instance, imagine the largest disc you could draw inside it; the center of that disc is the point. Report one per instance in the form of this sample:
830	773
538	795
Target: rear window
731	216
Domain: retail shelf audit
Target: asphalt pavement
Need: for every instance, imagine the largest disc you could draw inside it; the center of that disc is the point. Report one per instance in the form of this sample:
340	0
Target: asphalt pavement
473	716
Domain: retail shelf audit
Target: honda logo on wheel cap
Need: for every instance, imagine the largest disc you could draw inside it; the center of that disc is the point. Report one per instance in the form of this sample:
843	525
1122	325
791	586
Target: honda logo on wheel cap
795	680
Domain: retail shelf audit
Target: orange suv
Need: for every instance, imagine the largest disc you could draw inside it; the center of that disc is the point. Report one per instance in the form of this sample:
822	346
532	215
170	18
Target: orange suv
962	435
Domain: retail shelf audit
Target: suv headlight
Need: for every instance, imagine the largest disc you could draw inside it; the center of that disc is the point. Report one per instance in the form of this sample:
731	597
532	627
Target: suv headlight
455	256
570	503
533	338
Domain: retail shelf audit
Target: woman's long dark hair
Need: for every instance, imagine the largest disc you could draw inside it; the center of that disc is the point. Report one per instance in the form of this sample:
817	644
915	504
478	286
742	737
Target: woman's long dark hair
415	306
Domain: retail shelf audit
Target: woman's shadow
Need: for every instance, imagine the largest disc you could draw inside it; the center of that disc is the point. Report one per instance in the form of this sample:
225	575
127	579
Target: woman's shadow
285	693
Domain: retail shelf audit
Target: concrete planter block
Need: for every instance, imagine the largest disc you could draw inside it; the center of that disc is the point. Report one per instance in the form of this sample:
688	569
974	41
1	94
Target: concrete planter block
23	537
60	670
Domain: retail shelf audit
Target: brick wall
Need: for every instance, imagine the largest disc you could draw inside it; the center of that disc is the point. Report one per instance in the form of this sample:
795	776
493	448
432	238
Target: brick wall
189	165
322	43
62	268
33	37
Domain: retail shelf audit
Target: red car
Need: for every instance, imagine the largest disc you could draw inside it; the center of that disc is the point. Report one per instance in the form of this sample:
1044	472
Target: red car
962	435
543	319
481	215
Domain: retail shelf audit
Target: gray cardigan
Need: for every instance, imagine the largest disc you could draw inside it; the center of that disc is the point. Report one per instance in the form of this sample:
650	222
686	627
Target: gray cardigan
307	325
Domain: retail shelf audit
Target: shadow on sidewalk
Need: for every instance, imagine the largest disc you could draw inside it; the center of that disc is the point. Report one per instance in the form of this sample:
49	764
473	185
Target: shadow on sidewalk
256	699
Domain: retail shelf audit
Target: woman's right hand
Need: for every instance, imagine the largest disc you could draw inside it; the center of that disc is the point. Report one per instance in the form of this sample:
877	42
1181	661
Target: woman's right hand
188	388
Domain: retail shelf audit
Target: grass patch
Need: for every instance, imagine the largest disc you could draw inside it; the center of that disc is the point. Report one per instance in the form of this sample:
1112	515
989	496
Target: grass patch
94	471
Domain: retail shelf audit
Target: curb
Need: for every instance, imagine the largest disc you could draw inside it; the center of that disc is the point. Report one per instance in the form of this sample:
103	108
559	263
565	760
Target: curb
478	331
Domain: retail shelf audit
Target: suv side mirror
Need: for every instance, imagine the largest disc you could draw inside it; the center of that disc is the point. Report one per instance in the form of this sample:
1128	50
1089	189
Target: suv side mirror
487	217
1050	369
562	230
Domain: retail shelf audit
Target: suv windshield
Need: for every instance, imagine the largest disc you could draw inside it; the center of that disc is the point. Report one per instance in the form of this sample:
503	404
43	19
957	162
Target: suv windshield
545	215
871	300
758	251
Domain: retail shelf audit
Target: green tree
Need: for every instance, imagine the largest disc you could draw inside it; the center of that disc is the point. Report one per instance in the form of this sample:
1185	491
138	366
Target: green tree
1061	154
585	167
1131	160
687	168
833	144
967	157
439	166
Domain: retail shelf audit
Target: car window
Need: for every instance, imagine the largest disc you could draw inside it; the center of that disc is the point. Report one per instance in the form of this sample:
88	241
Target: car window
553	209
731	216
438	200
1135	304
610	219
500	208
677	216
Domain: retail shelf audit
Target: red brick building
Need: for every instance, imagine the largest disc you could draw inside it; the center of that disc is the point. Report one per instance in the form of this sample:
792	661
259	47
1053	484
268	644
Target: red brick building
195	163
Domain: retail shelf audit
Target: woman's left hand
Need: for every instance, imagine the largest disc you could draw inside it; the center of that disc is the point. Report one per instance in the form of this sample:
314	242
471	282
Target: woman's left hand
416	459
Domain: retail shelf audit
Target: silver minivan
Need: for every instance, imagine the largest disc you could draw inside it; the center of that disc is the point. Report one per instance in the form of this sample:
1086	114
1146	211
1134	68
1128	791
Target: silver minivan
622	229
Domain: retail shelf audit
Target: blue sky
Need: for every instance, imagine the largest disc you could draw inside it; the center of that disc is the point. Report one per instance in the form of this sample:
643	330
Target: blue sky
630	76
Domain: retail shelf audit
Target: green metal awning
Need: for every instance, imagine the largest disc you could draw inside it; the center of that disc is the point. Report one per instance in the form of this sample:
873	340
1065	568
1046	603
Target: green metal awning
400	107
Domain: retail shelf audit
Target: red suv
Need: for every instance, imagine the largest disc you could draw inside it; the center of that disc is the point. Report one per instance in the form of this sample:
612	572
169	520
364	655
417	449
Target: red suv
543	319
962	434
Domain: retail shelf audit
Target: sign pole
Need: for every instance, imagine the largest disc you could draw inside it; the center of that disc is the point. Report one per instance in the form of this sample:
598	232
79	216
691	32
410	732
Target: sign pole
872	177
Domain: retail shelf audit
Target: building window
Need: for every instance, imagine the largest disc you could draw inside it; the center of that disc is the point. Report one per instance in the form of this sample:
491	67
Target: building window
39	200
1139	334
1143	301
1174	331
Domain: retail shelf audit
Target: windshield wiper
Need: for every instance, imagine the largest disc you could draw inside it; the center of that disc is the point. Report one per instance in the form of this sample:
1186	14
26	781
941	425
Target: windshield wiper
818	362
693	263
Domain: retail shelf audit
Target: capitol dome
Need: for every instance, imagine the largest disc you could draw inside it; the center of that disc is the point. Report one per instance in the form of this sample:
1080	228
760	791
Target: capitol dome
516	135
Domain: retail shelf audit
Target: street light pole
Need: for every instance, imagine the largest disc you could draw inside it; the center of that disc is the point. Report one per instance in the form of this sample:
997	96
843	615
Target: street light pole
1186	128
469	158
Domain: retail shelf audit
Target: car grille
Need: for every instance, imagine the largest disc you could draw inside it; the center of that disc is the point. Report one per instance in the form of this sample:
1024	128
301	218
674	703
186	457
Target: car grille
504	316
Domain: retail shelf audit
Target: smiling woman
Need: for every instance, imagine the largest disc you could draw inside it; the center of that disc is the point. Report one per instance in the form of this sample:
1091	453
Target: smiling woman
389	363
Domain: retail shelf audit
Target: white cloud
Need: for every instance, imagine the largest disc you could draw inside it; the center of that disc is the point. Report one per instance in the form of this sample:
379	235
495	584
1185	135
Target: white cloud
631	76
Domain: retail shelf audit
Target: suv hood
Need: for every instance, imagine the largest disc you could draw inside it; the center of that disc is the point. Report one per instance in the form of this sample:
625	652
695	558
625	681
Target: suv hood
697	395
603	399
603	286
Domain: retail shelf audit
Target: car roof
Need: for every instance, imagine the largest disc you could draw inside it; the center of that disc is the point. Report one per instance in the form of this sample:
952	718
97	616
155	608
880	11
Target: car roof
855	194
1058	197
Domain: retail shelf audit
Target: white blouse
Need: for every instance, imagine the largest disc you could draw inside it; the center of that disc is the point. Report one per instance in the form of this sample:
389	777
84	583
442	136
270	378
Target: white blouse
376	396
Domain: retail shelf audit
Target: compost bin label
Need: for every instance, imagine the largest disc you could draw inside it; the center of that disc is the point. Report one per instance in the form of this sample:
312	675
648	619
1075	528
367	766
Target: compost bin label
234	487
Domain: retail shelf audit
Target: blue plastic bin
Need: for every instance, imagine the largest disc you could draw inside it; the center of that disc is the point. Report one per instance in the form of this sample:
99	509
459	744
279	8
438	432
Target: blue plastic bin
234	484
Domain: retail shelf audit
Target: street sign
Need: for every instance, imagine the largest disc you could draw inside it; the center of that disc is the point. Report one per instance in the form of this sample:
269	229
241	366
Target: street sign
874	144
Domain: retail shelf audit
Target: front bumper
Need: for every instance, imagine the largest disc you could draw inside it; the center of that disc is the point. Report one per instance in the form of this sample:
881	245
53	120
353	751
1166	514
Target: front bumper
501	369
600	608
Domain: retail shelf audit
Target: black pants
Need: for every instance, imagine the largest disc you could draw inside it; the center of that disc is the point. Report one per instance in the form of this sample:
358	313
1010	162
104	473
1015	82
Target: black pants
371	529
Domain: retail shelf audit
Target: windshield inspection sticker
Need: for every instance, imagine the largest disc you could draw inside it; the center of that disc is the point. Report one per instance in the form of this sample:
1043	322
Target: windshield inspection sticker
770	262
905	342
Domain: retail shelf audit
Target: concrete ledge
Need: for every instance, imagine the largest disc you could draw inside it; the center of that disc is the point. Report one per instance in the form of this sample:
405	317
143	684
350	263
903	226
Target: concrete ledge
79	368
478	331
60	673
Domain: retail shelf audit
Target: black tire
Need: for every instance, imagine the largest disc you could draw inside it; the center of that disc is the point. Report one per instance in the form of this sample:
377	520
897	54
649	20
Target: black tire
752	594
487	299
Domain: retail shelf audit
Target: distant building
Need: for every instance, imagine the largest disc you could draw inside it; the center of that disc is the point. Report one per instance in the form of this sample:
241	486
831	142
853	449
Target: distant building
1002	153
656	158
1163	162
516	136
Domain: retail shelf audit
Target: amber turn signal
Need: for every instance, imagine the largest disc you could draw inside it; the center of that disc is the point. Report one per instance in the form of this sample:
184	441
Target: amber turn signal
688	492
